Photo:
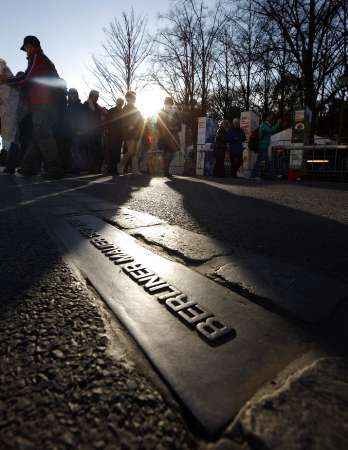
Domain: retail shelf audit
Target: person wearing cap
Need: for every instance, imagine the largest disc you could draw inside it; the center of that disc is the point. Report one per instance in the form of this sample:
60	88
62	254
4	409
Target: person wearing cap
168	127
114	136
38	80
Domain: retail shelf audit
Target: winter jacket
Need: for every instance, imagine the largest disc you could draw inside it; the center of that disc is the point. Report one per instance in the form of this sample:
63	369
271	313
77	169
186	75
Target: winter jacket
235	138
37	79
265	133
132	123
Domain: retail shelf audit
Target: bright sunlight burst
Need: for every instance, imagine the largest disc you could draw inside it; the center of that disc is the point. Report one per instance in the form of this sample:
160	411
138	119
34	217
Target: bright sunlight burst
150	100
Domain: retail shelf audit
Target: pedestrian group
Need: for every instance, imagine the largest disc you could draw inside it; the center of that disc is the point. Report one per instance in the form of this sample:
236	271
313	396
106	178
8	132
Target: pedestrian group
45	126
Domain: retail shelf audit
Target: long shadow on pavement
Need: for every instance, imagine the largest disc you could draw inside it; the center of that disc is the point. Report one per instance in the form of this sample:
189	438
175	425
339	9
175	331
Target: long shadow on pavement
266	228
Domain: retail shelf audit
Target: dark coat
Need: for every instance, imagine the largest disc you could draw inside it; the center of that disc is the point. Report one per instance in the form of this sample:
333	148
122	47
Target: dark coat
91	121
221	140
236	137
75	112
114	125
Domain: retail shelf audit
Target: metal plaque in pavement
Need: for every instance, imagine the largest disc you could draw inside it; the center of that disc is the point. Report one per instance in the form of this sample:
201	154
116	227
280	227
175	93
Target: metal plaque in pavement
213	348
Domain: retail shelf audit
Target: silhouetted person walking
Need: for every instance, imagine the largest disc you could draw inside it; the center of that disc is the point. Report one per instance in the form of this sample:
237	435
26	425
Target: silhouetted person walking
235	138
74	118
114	136
92	132
168	127
40	80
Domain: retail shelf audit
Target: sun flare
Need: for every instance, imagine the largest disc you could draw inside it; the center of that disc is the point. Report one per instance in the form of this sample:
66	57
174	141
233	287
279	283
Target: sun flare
150	101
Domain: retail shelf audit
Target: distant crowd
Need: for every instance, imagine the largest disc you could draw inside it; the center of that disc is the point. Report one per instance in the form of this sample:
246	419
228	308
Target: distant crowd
47	129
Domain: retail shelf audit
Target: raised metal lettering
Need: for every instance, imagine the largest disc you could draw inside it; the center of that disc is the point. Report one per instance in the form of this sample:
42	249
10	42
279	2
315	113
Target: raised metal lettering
136	274
150	281
122	259
107	248
194	314
132	267
100	243
173	292
213	329
178	303
158	288
100	247
111	254
207	325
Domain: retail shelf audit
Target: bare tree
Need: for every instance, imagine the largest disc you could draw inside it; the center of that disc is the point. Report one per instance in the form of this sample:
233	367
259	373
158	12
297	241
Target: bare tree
208	24
222	92
246	47
185	62
125	50
175	62
309	28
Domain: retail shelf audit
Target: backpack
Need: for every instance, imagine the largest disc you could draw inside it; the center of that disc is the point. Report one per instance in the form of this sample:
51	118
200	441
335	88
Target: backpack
253	142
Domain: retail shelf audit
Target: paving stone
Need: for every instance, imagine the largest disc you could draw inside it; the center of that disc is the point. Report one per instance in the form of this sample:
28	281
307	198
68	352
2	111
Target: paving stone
308	296
309	412
213	381
129	218
187	244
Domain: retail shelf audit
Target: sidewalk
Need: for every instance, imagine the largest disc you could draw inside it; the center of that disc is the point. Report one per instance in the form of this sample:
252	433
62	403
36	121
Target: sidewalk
72	378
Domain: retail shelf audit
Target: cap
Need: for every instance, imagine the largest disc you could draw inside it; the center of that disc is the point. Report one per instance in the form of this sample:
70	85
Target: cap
94	93
33	40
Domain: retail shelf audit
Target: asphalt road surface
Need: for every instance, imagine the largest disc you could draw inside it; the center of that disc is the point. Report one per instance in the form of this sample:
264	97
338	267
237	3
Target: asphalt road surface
301	223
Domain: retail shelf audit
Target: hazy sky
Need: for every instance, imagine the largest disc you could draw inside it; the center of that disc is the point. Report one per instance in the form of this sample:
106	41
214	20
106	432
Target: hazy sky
69	31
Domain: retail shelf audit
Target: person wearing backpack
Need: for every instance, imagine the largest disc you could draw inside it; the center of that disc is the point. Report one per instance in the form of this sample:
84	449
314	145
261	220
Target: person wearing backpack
264	133
39	80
